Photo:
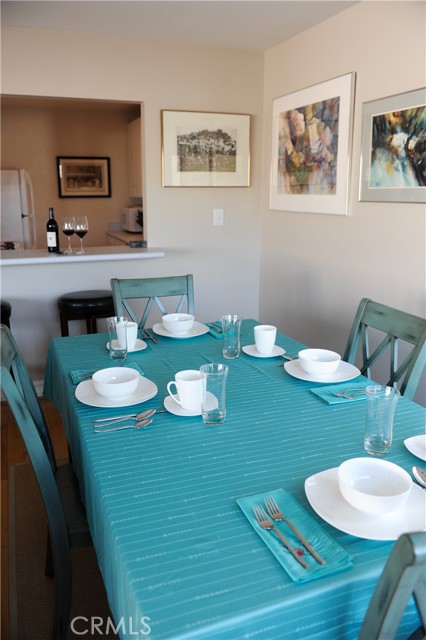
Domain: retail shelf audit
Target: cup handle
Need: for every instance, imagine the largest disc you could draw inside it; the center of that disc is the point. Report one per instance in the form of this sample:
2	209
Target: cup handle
175	397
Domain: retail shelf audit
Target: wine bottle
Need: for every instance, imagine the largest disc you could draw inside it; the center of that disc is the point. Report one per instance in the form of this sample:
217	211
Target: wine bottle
52	233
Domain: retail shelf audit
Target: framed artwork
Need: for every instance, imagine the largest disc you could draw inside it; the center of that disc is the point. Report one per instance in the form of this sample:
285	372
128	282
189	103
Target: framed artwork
201	149
81	177
393	151
311	144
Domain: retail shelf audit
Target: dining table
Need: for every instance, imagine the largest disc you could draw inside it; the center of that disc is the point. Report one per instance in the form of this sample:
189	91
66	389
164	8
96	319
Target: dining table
168	505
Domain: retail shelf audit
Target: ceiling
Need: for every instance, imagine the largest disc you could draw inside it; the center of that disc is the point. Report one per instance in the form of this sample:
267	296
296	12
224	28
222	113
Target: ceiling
255	25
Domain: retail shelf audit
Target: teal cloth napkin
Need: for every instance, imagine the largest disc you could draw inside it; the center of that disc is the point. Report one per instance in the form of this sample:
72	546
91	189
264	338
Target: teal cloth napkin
337	559
328	394
80	375
213	332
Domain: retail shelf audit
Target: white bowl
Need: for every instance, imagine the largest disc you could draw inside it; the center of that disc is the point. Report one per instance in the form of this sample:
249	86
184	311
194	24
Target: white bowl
373	485
178	322
319	361
115	382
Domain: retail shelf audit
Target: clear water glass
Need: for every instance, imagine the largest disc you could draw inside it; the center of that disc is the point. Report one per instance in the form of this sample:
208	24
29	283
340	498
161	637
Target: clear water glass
117	327
381	405
213	408
231	326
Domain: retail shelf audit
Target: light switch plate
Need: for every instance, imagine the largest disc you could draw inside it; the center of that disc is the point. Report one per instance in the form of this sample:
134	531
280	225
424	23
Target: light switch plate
218	217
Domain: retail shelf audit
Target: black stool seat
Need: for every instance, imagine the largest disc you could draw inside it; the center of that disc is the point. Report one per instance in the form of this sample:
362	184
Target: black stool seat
6	312
85	305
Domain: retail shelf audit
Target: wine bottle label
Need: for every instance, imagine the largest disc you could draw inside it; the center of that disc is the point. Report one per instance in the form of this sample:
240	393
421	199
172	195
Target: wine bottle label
51	239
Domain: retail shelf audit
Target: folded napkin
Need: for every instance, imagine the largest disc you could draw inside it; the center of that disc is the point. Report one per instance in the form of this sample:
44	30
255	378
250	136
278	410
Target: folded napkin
80	375
213	332
337	559
328	394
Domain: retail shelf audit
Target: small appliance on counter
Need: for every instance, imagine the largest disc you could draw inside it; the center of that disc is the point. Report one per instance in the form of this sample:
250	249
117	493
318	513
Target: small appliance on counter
132	219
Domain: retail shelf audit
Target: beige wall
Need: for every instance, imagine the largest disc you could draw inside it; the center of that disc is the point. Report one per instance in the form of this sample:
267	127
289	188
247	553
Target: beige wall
313	268
33	136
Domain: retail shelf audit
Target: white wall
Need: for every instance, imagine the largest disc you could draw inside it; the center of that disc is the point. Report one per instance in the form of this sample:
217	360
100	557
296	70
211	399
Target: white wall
315	268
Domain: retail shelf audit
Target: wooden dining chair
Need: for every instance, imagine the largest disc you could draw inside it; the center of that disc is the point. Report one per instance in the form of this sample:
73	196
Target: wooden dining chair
67	525
126	291
403	576
396	326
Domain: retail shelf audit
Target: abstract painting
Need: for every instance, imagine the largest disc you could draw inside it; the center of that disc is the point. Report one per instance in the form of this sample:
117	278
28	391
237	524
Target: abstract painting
393	158
310	148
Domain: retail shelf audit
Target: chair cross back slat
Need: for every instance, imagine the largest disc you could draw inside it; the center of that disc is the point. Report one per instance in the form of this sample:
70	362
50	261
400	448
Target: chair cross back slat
398	326
126	290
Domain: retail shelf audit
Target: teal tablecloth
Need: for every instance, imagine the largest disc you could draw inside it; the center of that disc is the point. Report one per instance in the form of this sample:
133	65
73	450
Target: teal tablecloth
173	546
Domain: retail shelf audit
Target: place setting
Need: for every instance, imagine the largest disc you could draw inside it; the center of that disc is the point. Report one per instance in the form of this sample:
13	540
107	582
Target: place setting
321	365
370	497
179	326
264	343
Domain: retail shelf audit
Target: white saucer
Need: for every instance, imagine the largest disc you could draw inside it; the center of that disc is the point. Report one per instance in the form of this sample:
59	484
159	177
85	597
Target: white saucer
417	446
140	345
323	493
198	329
85	392
345	372
174	407
251	350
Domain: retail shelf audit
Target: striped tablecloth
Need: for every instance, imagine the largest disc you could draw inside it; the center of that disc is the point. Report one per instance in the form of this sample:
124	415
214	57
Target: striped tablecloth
176	553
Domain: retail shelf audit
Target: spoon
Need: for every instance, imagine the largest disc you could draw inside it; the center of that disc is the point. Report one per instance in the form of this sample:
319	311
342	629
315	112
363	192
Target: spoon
420	475
138	425
132	416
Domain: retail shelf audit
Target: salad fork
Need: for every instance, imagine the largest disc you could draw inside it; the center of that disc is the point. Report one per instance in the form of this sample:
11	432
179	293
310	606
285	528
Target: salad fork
263	521
346	393
276	514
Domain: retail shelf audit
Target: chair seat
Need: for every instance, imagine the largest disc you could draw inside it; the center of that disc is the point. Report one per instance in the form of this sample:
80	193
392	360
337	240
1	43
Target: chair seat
85	305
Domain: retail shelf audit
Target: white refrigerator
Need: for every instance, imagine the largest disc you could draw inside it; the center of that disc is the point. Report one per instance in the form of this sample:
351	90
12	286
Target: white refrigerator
17	218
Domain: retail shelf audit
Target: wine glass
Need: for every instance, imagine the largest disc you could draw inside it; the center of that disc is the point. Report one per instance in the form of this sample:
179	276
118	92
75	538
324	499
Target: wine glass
68	228
81	228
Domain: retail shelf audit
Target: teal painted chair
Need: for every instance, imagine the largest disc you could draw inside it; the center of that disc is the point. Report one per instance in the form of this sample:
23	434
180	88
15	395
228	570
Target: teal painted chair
150	290
67	525
397	326
403	576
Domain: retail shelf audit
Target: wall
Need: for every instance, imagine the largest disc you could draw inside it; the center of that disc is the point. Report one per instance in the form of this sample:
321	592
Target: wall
315	268
34	135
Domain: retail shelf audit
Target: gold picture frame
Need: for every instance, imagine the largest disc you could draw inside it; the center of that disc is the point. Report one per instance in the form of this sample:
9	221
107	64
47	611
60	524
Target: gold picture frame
203	149
83	177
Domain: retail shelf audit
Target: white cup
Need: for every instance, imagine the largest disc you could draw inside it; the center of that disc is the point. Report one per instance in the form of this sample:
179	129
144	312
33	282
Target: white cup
189	387
131	329
264	337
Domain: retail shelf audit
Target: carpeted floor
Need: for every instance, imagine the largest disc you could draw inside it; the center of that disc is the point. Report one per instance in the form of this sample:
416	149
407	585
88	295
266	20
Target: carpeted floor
31	593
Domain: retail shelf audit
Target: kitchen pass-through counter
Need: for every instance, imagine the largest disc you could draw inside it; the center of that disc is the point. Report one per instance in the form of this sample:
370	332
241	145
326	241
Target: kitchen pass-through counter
94	254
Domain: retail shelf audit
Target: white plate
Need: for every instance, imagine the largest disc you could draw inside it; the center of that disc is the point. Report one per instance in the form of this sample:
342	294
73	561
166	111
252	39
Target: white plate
174	407
417	446
345	372
198	329
323	493
85	392
140	345
251	350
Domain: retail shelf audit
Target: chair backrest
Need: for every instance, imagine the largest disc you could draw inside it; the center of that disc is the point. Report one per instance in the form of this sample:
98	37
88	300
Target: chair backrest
21	396
126	290
396	325
403	576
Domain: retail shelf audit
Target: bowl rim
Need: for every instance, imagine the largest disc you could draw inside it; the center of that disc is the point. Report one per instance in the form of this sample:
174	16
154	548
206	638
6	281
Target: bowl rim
377	462
303	354
129	370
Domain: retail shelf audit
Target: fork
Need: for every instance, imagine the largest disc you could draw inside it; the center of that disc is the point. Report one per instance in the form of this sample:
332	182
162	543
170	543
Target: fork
149	336
263	520
276	514
350	396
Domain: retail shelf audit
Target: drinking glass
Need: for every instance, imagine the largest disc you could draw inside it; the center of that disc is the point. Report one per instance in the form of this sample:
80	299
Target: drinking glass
81	228
117	327
68	228
231	326
214	393
381	405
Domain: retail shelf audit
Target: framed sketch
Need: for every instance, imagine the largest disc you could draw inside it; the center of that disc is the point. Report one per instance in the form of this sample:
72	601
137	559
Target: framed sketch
311	144
81	177
201	149
393	151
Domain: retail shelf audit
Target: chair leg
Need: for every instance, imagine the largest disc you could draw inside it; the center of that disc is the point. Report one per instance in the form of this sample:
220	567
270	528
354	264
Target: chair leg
64	326
63	594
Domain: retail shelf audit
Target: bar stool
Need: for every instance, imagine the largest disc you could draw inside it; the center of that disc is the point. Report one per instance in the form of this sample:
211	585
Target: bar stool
6	312
85	305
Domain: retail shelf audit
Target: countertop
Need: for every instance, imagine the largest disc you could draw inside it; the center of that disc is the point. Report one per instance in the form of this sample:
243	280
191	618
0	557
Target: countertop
94	254
126	236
